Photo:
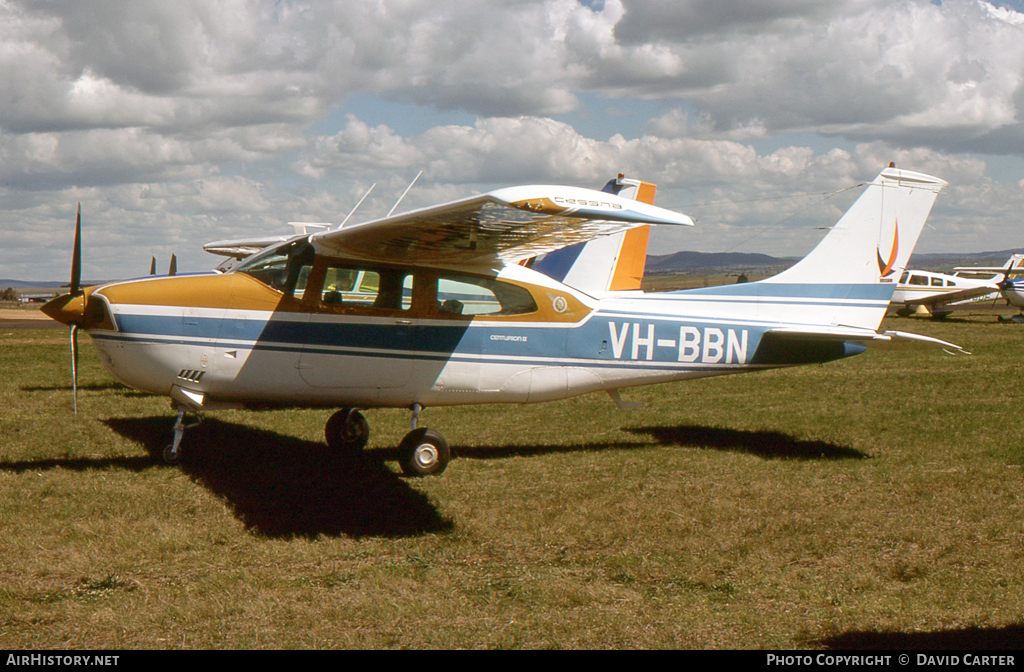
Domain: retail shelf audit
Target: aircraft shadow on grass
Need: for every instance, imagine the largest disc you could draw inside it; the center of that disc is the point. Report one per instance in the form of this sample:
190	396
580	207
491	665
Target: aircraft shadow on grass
764	444
281	486
768	445
959	639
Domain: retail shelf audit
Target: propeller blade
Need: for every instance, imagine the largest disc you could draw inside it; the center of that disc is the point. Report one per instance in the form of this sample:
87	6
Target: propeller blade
76	256
74	364
152	266
174	266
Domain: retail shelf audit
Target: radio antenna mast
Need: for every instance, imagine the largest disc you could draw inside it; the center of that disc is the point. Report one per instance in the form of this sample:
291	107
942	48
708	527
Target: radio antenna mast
405	192
357	205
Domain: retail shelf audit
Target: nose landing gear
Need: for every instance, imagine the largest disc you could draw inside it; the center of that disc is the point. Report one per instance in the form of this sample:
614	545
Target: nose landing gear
172	451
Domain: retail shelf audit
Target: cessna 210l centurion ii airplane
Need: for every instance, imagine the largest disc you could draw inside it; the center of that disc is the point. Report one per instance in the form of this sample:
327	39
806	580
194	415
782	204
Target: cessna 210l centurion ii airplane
438	306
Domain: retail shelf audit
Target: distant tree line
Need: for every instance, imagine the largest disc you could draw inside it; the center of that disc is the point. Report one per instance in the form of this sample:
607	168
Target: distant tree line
9	295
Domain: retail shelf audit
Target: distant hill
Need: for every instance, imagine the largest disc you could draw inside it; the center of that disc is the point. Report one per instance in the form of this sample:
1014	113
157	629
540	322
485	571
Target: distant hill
684	262
690	262
40	284
29	284
938	261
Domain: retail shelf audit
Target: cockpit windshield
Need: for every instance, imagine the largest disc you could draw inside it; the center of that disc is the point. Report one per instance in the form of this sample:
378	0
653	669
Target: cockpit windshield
284	267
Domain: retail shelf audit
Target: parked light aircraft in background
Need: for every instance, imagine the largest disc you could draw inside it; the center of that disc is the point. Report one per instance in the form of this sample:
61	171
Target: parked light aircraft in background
1012	289
438	306
931	293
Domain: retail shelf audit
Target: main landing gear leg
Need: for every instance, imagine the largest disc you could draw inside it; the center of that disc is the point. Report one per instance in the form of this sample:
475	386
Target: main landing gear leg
347	431
172	451
423	452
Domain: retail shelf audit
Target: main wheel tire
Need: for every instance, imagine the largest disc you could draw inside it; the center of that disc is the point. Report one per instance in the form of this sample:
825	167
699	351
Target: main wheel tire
423	452
347	431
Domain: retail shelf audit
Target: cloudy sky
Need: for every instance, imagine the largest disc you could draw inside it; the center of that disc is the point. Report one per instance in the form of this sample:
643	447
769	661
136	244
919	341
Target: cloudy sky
177	123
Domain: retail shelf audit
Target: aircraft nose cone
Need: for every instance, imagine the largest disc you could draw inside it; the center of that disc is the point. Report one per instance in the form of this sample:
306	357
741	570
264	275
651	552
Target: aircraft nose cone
67	309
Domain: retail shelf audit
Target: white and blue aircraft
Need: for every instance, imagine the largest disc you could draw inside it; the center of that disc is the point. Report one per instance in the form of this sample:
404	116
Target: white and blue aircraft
439	306
931	293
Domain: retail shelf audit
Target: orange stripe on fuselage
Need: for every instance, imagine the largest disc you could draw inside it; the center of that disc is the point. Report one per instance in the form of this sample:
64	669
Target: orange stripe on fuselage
629	271
238	291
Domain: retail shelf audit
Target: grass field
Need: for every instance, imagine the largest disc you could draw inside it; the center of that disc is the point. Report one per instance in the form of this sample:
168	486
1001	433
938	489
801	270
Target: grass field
874	502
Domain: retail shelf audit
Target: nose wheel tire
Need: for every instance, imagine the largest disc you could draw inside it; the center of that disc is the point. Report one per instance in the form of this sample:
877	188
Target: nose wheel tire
171	454
347	431
423	452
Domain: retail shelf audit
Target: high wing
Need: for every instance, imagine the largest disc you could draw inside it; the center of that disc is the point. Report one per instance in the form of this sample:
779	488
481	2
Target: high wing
498	228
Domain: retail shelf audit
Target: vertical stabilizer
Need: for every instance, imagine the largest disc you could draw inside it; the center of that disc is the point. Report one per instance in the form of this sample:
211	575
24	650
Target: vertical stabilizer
848	280
873	241
608	264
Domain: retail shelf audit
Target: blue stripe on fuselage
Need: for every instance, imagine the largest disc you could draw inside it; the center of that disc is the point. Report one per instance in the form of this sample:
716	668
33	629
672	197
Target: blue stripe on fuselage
604	339
778	290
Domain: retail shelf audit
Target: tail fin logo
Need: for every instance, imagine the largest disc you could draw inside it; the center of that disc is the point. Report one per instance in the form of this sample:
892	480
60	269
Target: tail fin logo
884	268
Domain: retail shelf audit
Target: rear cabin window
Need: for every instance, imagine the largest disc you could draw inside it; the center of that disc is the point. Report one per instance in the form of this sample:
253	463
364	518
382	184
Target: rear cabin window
936	282
918	280
467	295
357	287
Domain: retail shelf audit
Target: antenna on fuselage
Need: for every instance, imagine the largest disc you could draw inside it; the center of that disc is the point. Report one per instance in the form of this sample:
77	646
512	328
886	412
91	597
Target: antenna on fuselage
357	205
404	193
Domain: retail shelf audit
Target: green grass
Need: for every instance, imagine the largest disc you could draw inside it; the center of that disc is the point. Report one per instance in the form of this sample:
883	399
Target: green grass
872	502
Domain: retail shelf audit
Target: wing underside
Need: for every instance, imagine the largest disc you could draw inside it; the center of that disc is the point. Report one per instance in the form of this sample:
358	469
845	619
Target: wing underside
499	228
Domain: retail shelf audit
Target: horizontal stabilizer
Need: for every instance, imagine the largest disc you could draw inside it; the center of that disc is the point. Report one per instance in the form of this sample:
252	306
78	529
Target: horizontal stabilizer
888	339
903	339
